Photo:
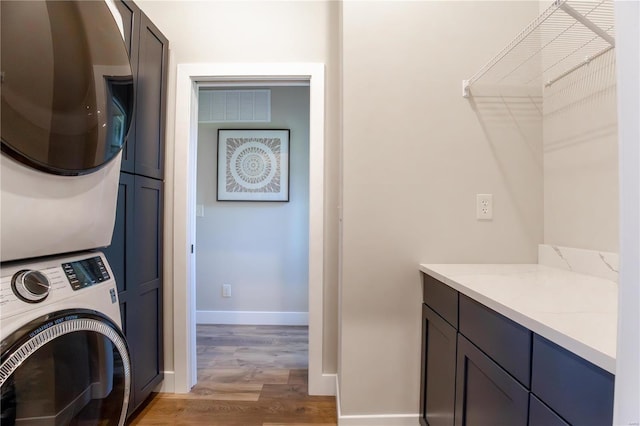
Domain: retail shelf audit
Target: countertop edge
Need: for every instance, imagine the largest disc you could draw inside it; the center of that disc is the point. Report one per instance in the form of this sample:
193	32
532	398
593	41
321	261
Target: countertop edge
583	350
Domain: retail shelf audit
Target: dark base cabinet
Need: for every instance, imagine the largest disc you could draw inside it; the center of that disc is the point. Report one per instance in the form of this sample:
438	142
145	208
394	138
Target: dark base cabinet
580	392
439	373
480	368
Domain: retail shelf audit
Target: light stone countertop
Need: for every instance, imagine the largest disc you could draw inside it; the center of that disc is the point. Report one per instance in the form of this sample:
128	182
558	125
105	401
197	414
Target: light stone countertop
575	311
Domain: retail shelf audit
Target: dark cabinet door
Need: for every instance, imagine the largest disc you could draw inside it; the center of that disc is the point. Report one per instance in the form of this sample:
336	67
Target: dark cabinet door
121	245
146	333
541	415
438	377
143	153
130	13
486	395
150	100
135	256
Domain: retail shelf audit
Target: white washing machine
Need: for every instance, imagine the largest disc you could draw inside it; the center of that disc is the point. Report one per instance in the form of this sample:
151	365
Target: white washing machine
67	103
64	358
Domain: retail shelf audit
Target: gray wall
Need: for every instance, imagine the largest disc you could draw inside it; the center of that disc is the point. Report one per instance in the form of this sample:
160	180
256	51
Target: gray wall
415	155
260	248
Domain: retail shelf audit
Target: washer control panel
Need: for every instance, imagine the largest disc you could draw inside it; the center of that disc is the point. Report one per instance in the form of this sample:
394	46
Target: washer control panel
85	272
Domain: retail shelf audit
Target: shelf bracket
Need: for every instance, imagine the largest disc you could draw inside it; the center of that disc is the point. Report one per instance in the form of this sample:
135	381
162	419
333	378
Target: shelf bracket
465	89
587	23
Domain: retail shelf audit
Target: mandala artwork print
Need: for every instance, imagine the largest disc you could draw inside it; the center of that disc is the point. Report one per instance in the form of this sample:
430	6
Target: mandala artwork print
253	165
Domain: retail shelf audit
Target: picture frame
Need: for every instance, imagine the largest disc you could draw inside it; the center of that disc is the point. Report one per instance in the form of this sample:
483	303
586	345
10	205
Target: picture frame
253	165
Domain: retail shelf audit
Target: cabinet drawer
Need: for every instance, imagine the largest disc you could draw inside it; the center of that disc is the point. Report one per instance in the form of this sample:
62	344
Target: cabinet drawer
441	298
507	343
582	393
541	415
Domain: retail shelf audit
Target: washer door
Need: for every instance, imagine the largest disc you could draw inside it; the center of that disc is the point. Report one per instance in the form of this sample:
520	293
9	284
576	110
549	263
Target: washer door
67	86
67	368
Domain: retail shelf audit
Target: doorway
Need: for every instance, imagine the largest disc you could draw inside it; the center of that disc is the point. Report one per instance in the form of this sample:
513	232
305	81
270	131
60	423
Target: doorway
252	232
189	76
252	204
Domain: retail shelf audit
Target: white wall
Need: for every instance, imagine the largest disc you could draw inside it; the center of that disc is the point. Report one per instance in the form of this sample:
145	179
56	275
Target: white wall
415	155
249	32
581	158
260	249
627	409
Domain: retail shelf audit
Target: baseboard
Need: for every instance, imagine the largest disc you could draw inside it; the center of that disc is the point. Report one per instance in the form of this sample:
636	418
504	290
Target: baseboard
252	318
168	385
379	420
324	384
373	419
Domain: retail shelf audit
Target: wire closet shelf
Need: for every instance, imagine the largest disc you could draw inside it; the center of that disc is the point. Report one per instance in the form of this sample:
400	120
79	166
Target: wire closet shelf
566	36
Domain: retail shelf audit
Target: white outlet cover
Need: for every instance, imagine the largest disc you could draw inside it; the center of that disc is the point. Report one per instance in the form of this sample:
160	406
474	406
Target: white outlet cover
226	290
484	206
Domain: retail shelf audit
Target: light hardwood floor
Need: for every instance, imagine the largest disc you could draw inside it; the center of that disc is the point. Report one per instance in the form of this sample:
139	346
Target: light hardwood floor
247	376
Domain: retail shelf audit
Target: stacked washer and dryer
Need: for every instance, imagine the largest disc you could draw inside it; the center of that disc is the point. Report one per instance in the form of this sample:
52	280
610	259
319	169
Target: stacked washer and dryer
67	101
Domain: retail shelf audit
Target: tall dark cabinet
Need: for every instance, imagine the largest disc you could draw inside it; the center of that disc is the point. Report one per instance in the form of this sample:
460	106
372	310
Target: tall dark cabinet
136	254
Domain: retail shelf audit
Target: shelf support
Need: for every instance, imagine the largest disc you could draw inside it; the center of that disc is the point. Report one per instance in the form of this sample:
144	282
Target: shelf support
587	23
587	27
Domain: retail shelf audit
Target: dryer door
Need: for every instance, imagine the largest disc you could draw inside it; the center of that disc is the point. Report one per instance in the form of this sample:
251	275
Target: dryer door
67	368
67	87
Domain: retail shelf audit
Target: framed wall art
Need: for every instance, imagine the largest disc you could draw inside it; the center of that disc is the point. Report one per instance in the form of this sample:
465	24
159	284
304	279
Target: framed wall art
253	165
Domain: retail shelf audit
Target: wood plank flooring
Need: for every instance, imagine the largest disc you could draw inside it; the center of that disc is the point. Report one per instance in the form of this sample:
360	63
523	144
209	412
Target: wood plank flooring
247	376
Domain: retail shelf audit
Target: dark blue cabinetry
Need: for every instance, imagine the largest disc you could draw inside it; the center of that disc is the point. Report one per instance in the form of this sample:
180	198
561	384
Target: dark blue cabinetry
577	390
439	345
499	371
439	372
486	395
541	415
136	251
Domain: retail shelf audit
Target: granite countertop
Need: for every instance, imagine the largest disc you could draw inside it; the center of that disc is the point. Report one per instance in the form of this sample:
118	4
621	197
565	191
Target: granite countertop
575	311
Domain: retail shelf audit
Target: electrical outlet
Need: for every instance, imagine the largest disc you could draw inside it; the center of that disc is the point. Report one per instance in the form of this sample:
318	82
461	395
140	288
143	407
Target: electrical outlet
226	290
484	206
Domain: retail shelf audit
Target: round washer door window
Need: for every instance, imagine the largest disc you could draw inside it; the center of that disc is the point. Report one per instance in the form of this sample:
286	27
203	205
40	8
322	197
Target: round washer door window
67	86
68	368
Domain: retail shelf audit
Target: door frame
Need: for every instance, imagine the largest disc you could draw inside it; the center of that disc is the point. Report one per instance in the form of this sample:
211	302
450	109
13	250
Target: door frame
189	76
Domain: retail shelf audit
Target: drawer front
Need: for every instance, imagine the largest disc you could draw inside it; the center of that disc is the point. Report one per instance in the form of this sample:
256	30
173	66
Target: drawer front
507	343
441	298
541	415
582	393
486	395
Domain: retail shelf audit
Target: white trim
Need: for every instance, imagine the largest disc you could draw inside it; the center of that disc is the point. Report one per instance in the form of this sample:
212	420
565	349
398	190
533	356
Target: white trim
168	385
256	83
372	419
188	77
379	420
252	317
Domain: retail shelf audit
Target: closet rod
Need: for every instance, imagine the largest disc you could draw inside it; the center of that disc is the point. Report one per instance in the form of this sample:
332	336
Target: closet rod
587	61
